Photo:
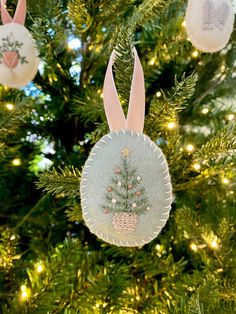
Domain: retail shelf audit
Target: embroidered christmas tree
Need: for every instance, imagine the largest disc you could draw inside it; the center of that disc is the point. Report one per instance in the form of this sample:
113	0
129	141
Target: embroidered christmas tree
126	196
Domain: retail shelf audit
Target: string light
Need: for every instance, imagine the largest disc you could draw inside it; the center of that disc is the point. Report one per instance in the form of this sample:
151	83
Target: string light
193	247
25	293
100	93
231	117
9	106
158	94
16	162
212	240
39	267
171	125
152	61
190	148
225	181
205	111
214	244
160	250
183	23
196	166
74	43
195	54
12	238
23	288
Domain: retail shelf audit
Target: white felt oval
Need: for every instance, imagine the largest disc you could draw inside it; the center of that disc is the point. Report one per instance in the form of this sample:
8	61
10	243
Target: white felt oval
97	174
209	23
15	37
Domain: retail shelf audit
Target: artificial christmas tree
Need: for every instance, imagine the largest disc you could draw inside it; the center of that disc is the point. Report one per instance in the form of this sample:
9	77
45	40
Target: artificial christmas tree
49	260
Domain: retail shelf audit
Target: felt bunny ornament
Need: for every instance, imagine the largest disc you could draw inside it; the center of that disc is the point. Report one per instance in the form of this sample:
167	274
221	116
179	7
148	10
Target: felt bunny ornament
126	191
18	54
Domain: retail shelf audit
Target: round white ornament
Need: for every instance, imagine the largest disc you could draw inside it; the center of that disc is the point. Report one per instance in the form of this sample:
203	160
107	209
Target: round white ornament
209	23
125	190
18	53
118	214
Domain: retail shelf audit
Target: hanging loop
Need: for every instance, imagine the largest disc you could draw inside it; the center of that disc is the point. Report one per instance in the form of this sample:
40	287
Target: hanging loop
114	112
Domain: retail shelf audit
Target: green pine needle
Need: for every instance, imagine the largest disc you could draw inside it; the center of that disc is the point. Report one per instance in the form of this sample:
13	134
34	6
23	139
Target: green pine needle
64	182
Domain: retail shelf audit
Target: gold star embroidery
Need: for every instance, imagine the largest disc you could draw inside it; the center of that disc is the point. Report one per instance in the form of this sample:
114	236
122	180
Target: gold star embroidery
125	152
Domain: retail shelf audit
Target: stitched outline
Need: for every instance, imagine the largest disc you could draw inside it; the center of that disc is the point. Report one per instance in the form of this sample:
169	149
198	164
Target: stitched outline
168	192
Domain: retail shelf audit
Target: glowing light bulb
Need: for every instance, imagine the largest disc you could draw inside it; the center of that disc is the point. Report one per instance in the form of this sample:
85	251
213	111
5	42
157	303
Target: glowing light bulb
152	61
214	245
25	293
74	43
205	111
158	94
12	238
171	125
193	247
9	106
16	162
195	54
183	23
23	288
39	268
190	148
196	167
225	181
231	117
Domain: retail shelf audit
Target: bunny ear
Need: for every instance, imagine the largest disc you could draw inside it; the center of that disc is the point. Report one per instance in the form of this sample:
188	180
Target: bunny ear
6	18
114	113
20	14
136	112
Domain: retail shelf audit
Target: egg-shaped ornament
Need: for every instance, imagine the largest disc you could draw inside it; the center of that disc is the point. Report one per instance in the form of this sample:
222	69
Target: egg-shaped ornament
126	191
19	59
209	23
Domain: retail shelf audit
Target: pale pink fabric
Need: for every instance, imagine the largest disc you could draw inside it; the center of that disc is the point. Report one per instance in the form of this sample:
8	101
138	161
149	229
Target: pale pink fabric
136	112
19	16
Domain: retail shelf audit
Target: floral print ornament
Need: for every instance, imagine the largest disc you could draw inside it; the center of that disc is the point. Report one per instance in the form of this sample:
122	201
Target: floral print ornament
10	52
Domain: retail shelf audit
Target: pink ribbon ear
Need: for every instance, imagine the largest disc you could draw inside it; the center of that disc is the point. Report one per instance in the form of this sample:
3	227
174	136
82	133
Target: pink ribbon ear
136	112
19	16
114	113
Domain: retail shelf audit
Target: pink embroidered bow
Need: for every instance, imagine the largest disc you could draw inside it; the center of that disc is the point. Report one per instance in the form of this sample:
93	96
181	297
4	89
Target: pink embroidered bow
114	113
